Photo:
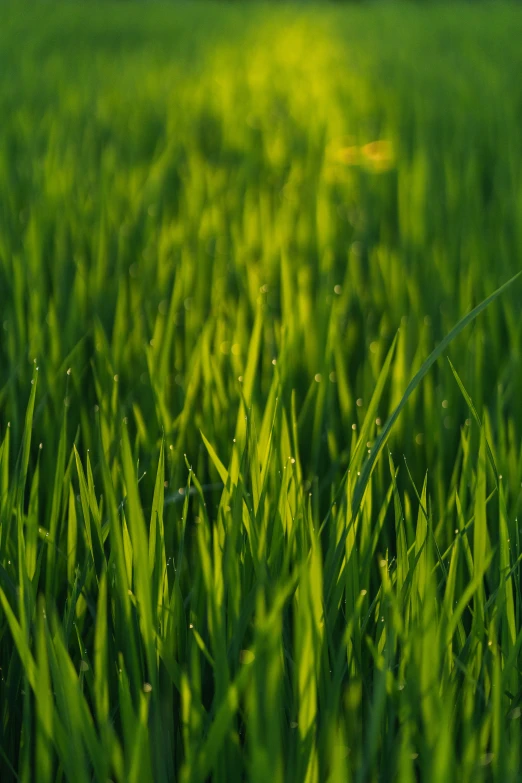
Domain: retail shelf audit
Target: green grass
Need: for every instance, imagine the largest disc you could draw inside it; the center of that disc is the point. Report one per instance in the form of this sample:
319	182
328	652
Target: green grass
235	543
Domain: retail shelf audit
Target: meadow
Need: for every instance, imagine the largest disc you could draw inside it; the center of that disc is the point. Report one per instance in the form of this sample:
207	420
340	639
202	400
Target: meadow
260	393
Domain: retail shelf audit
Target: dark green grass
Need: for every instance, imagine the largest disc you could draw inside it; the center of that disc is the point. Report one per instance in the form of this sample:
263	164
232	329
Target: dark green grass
213	296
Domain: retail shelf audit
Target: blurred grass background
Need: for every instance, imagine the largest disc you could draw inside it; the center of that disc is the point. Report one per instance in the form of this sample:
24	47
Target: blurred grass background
199	202
158	170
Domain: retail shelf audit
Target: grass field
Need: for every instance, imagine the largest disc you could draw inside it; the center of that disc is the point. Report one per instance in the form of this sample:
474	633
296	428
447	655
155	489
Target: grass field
235	544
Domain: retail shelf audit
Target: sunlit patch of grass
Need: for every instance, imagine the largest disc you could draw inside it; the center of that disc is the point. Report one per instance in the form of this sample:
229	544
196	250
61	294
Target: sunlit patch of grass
379	155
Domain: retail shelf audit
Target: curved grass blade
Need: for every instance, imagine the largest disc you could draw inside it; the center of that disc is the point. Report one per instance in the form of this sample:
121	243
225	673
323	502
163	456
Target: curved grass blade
366	472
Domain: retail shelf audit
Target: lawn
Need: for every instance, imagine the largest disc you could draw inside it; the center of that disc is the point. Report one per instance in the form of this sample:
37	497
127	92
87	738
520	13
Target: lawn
260	393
